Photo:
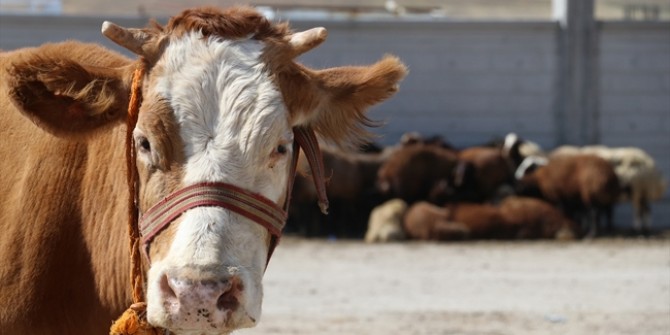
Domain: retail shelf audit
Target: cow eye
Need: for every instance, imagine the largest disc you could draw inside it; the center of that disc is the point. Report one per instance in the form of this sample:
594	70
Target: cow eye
144	144
281	149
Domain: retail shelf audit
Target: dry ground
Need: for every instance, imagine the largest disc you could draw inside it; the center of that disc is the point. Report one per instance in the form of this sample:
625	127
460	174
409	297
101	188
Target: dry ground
605	286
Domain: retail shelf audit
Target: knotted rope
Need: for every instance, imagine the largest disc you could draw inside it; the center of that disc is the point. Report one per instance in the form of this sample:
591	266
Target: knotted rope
133	321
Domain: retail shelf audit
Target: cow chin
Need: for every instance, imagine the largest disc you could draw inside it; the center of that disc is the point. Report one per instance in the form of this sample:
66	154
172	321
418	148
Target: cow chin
202	300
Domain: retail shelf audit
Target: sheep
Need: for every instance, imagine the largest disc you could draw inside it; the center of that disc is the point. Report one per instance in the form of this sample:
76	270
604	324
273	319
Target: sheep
385	222
531	218
414	172
514	218
410	138
516	149
351	190
432	170
486	175
640	180
429	222
583	185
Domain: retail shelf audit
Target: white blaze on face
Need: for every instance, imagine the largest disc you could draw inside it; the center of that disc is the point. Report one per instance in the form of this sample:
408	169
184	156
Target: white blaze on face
231	118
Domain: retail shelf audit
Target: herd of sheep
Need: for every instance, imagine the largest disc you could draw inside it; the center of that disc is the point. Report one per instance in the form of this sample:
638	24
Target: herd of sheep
424	188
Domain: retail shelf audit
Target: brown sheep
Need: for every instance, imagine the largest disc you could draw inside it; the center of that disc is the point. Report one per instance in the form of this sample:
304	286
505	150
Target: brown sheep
514	218
584	186
529	218
484	175
431	169
426	221
350	189
412	172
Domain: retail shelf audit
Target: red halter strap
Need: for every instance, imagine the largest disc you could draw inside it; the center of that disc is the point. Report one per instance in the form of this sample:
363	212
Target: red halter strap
253	206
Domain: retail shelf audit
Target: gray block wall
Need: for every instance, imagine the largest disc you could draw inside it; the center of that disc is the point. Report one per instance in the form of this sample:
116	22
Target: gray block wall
473	81
635	96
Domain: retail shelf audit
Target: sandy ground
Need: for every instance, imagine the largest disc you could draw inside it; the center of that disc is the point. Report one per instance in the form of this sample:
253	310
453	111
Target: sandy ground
605	286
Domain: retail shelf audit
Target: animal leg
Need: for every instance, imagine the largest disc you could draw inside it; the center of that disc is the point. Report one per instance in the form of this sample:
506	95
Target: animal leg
590	219
608	211
645	217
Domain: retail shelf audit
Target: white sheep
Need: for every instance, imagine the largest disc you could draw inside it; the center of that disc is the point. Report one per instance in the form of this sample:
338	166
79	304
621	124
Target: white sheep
385	223
640	179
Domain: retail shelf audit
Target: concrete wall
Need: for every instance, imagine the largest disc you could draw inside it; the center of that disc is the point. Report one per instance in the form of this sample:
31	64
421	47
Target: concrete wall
634	97
468	81
473	81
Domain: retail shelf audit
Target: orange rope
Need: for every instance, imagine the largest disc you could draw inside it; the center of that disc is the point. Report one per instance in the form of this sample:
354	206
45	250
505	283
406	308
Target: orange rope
133	320
136	275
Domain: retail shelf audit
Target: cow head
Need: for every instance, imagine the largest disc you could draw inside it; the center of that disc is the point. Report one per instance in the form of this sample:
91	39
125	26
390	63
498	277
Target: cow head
220	99
221	95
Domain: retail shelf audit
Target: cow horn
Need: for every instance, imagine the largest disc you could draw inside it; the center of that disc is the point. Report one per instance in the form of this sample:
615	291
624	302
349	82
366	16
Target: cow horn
129	38
307	40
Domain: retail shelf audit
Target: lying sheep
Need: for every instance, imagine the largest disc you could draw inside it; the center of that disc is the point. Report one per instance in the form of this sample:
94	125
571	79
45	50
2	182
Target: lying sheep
385	223
530	218
514	218
584	186
640	180
429	222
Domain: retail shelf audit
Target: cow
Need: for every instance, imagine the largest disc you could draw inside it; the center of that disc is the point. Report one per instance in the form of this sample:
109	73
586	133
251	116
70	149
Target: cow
221	97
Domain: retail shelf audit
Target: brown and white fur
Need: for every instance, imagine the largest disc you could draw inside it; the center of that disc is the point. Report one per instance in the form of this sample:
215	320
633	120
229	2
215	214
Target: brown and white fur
221	95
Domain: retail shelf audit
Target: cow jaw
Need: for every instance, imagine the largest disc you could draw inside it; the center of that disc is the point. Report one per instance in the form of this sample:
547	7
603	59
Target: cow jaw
206	273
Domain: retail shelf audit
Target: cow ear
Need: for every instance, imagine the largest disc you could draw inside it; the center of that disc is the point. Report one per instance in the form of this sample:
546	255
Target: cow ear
67	98
333	101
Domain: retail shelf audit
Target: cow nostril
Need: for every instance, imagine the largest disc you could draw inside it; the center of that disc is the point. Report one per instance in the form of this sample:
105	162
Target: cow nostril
166	288
227	301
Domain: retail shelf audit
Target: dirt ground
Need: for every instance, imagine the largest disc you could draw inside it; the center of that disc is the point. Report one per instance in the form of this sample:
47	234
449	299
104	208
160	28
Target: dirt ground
604	286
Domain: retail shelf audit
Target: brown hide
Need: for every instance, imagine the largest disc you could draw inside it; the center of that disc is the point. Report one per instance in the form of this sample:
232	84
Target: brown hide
490	170
351	191
64	267
576	181
529	218
514	218
425	221
63	247
414	172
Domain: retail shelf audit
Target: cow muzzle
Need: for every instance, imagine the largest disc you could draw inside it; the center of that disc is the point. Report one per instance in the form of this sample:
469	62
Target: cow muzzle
189	299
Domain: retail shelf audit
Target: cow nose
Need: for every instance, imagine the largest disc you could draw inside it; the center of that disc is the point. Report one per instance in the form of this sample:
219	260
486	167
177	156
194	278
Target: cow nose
200	301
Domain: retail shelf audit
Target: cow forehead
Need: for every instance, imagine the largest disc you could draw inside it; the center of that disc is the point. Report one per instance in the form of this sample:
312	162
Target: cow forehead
225	102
